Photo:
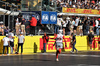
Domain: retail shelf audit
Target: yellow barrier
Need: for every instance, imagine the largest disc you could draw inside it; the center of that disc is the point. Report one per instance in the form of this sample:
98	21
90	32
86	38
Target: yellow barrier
35	44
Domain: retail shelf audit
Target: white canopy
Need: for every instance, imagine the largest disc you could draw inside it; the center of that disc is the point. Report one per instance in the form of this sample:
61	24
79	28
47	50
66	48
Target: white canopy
75	14
7	12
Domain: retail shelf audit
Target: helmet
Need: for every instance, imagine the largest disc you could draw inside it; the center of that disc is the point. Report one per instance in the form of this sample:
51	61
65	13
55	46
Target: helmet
60	31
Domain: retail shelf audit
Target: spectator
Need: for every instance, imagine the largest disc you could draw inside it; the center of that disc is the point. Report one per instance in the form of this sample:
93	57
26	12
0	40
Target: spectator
23	25
33	23
21	40
73	42
76	25
17	25
91	24
80	27
58	25
45	40
6	44
1	28
11	38
68	25
99	26
72	26
97	23
6	30
64	25
90	39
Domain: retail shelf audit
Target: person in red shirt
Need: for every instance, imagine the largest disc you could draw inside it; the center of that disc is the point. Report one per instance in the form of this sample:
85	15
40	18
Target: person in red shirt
33	23
45	40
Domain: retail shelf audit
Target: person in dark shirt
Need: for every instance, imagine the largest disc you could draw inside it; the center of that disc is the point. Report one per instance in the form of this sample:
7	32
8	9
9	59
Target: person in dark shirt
90	39
73	42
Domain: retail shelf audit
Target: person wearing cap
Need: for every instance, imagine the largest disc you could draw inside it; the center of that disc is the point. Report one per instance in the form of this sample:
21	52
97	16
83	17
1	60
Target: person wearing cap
21	40
6	44
90	39
33	23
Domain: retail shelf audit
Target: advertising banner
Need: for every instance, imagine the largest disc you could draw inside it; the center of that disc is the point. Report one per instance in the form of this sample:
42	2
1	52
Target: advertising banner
53	17
45	17
80	11
35	44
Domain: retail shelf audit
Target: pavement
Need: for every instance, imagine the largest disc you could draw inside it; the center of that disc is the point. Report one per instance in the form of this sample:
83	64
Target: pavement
91	58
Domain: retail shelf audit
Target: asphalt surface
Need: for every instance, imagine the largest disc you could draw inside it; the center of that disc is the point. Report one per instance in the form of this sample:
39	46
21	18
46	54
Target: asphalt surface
48	59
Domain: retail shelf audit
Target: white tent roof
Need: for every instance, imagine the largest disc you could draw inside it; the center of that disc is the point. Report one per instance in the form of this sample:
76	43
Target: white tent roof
7	12
72	14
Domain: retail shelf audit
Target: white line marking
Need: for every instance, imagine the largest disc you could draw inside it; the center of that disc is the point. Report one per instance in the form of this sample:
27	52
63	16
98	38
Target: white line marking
74	55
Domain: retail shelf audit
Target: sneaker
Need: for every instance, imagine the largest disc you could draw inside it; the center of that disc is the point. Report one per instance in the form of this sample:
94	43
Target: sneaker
57	59
71	51
76	51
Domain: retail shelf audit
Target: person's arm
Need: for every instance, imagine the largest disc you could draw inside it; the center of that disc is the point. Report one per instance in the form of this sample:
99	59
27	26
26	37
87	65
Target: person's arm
9	43
13	36
18	39
23	40
54	37
65	41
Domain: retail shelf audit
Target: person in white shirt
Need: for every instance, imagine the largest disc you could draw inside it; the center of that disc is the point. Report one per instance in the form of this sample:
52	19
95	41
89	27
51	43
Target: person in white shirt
59	43
64	26
21	40
72	26
11	37
58	25
76	25
97	23
6	44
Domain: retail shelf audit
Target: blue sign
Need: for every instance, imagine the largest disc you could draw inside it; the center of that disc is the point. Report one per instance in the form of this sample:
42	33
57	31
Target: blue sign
45	17
53	17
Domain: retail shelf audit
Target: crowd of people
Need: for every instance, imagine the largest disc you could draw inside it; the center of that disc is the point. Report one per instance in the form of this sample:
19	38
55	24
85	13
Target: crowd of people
79	4
78	25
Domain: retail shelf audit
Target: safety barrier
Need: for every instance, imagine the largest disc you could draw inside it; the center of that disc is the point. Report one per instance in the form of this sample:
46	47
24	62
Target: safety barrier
34	44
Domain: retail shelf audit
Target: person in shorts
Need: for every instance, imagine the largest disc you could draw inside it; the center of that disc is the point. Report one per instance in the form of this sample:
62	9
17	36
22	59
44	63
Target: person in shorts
17	25
11	37
90	39
76	25
23	25
59	43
